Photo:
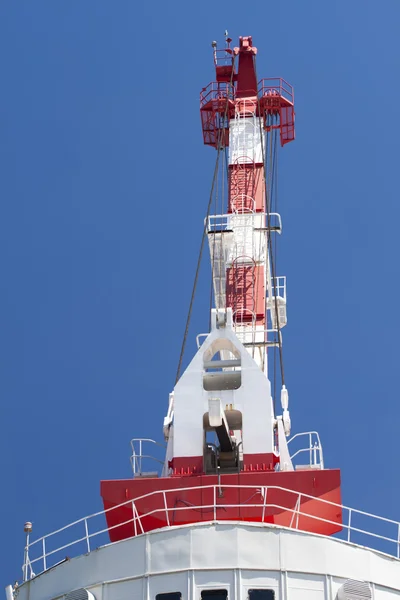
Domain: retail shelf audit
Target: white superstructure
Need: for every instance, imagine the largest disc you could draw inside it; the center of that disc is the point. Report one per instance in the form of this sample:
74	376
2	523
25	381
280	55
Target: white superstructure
232	560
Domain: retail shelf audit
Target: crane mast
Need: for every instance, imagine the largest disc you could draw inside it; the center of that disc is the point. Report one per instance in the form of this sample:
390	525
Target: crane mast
238	113
222	426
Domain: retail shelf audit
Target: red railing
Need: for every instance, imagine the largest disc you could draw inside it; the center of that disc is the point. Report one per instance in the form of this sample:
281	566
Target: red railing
217	91
277	85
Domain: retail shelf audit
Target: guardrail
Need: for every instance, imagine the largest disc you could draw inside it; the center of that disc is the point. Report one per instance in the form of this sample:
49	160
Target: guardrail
313	450
140	457
44	552
276	85
217	90
221	223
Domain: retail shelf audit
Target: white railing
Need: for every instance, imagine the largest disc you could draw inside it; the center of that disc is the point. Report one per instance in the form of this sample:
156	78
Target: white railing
220	223
313	450
91	532
279	287
138	455
245	328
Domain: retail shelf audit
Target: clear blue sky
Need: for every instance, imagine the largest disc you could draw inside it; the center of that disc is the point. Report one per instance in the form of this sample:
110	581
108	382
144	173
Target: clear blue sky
104	184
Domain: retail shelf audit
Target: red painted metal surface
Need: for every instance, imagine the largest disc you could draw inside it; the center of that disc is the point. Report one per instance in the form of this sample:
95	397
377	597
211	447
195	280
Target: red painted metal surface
186	465
260	462
216	108
223	61
196	505
246	188
183	466
273	97
276	98
247	79
245	292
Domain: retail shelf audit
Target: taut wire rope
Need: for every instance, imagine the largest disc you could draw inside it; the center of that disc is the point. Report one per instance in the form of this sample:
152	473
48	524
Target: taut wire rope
221	135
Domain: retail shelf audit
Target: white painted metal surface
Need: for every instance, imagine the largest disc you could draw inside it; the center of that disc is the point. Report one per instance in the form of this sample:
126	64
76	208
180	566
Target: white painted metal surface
239	238
252	398
246	137
232	556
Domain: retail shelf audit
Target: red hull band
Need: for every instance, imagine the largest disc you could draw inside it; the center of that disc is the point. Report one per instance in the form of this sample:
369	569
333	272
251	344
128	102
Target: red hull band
236	503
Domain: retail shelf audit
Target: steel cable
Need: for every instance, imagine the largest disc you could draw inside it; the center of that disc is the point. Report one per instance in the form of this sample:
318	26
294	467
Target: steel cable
270	246
196	277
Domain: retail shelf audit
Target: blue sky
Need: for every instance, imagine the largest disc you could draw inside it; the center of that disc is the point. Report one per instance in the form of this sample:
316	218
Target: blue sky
104	185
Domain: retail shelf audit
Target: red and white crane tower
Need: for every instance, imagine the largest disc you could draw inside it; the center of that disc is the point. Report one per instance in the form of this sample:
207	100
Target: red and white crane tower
221	426
238	112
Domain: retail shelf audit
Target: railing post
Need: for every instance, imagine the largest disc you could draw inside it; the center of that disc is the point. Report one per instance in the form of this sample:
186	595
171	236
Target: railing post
134	517
44	554
166	509
298	510
87	536
398	540
27	529
349	526
321	456
24	569
265	503
215	502
139	521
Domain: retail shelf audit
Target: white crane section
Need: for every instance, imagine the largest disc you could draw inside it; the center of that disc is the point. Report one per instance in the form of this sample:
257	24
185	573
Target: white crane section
246	135
239	242
233	383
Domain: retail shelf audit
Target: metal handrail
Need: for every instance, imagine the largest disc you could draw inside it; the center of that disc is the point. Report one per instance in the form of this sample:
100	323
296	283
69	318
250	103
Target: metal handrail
217	91
204	335
276	83
313	448
222	220
42	544
138	456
